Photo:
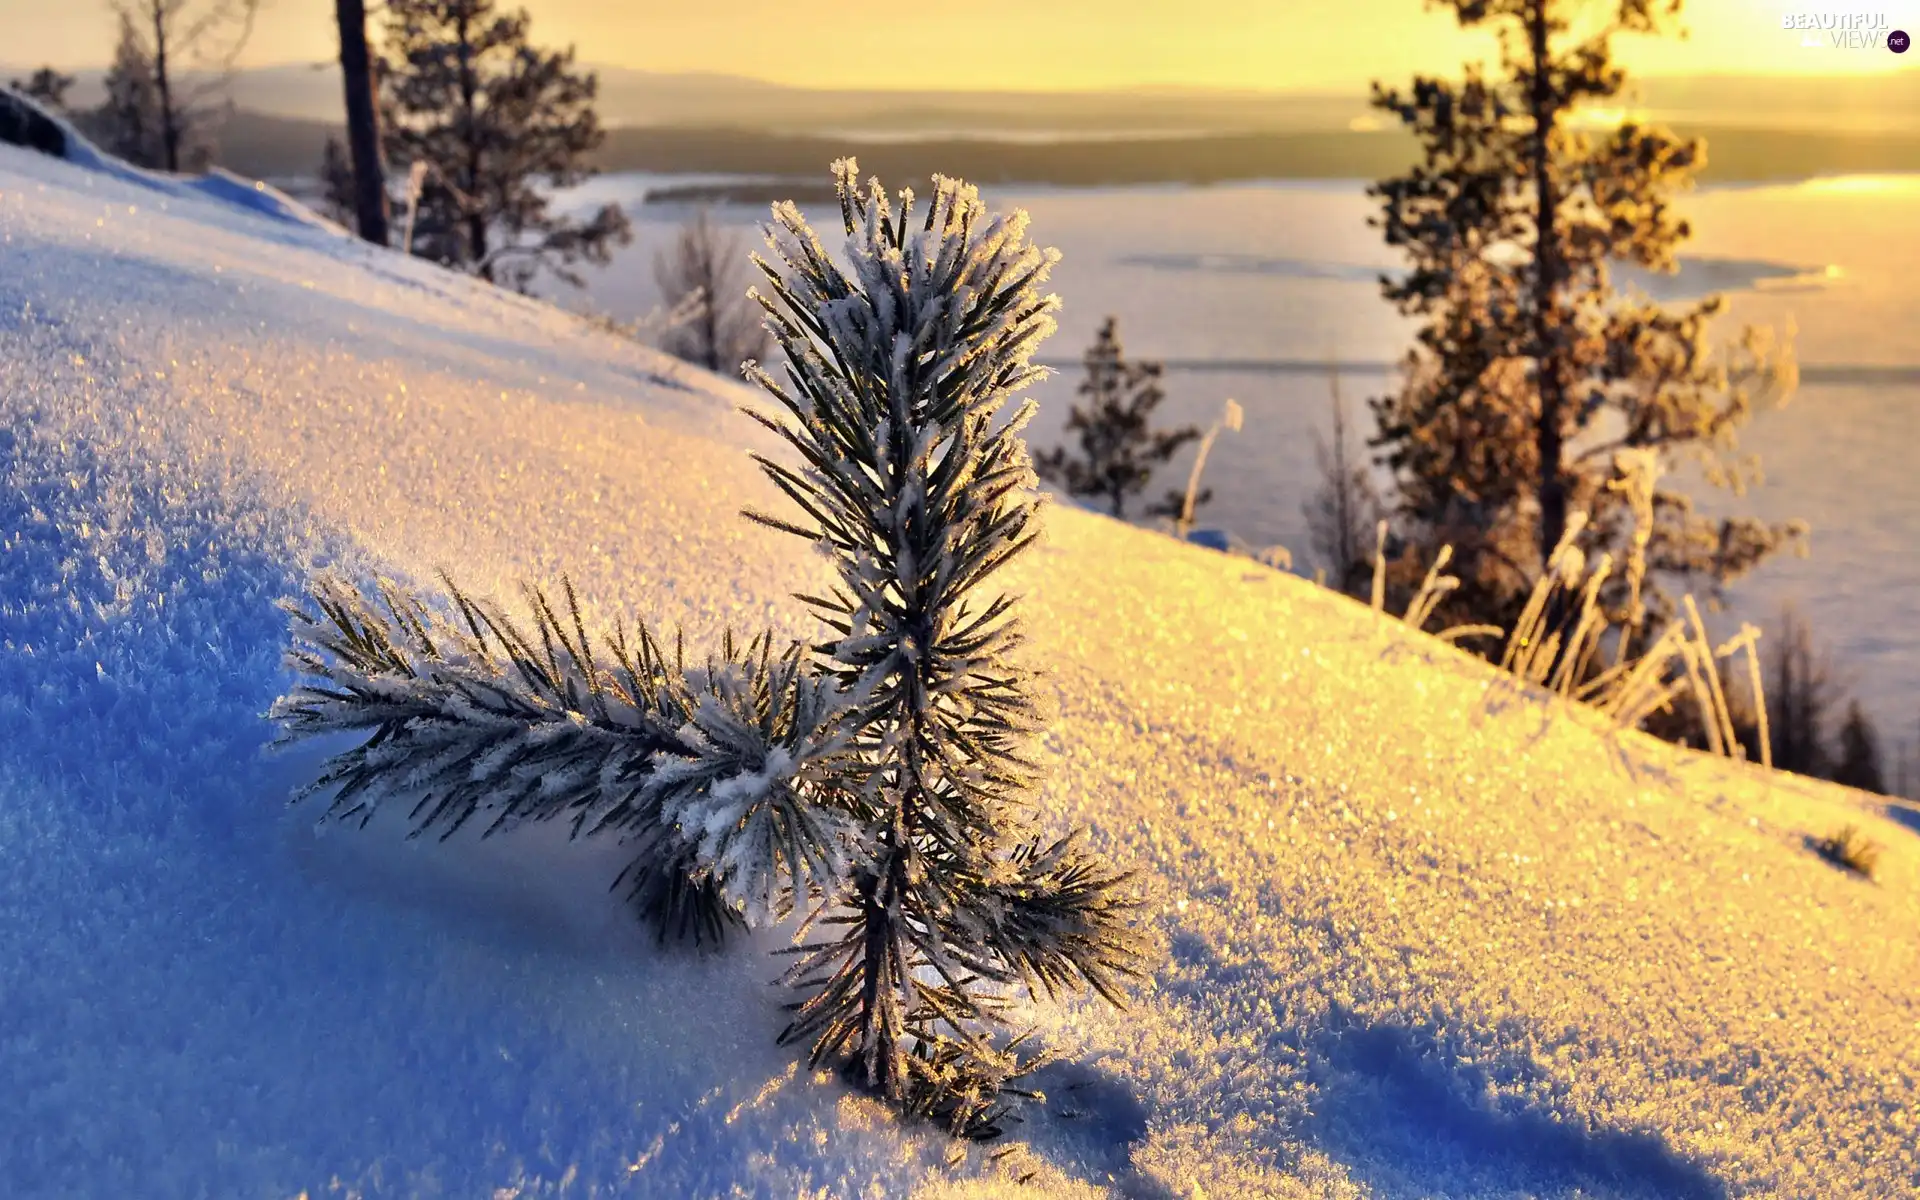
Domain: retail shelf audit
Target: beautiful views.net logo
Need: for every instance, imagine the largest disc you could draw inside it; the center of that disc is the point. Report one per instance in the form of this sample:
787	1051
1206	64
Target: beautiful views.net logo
1847	30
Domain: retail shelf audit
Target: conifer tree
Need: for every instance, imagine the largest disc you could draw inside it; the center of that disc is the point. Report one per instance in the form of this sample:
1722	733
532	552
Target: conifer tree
1119	447
1344	512
47	86
498	121
1801	697
878	780
1859	757
128	122
1531	370
1906	769
918	488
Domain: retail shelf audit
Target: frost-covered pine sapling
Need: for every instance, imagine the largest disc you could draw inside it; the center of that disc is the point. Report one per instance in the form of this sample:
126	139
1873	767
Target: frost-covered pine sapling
723	777
897	372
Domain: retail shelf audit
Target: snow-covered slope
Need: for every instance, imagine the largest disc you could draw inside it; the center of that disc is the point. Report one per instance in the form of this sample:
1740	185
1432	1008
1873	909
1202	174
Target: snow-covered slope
1424	936
217	184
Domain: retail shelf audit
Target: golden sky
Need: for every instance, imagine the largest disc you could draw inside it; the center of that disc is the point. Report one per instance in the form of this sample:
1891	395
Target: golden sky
1025	44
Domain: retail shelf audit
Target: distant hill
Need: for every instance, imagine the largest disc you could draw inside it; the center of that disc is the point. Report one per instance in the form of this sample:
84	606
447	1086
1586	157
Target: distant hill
270	147
1734	155
1758	128
630	97
1854	103
1839	103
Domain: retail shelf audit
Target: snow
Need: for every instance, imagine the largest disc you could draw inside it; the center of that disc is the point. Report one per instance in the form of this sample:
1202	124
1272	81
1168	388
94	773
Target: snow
218	183
1424	935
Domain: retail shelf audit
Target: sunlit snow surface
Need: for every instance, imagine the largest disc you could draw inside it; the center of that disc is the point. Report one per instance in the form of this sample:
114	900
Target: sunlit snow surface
1422	936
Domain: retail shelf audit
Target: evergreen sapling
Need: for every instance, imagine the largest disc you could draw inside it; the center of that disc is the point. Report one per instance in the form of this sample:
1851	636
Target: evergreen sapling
876	783
898	370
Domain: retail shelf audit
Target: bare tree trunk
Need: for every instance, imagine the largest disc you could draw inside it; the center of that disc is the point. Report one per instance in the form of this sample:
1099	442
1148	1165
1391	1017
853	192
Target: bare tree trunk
169	121
1546	278
470	132
363	122
1345	551
882	1020
710	285
879	1036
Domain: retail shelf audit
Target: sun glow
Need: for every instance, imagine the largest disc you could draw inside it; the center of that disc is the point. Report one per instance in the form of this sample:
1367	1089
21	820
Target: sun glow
1607	118
1868	185
1061	45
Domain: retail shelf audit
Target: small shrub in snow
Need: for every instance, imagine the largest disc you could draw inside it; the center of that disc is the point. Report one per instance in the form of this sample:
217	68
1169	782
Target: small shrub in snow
1850	850
877	783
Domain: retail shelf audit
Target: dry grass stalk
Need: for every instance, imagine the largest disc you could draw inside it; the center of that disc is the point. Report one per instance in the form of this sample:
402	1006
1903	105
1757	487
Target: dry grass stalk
1680	661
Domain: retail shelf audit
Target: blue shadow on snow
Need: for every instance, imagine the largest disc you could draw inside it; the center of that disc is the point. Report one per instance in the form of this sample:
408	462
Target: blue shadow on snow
1393	1088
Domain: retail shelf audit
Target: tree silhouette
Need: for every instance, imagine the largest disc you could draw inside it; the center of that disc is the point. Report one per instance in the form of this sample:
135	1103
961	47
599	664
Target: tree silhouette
367	173
194	34
1119	447
1343	513
1531	372
128	121
1859	753
339	194
46	85
494	117
704	278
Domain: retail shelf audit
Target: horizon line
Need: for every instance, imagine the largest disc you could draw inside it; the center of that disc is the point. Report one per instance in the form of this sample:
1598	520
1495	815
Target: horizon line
1358	92
1818	374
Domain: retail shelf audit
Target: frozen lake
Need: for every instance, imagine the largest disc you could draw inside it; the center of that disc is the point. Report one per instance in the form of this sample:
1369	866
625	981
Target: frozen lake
1244	288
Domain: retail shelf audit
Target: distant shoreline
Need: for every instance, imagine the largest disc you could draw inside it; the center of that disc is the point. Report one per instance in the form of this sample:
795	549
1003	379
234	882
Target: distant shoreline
1810	374
265	147
813	190
1734	155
